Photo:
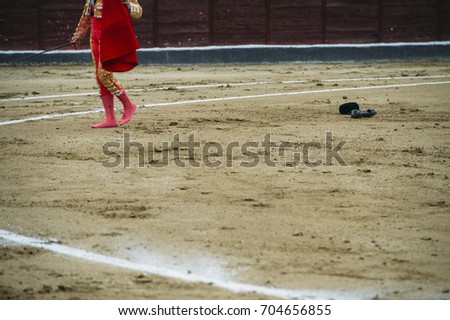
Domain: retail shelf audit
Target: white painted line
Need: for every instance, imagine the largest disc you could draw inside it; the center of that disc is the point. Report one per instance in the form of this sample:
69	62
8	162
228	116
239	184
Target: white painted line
372	79
219	85
257	46
251	46
280	94
199	86
388	78
301	46
50	116
176	274
202	101
68	95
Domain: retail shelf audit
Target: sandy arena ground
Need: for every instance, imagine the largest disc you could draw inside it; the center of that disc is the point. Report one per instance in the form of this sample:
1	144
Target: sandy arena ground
376	226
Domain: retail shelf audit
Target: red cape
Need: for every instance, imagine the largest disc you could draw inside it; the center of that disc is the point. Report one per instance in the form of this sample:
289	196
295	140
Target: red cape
118	40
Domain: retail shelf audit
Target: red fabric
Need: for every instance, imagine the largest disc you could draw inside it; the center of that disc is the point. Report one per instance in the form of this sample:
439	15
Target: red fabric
118	40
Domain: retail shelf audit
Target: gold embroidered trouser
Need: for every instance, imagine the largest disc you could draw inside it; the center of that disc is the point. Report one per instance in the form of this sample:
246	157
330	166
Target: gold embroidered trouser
106	81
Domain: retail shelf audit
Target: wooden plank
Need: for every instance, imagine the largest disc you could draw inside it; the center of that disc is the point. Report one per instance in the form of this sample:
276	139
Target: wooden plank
444	20
413	20
58	26
183	23
324	21
380	20
352	21
18	25
296	22
211	10
239	21
268	18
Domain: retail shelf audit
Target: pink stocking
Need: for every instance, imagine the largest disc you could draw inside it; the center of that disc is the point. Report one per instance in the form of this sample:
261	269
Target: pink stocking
128	106
108	104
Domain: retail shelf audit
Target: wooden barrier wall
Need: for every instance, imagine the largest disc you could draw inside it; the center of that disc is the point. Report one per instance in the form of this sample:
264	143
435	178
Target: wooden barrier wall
39	24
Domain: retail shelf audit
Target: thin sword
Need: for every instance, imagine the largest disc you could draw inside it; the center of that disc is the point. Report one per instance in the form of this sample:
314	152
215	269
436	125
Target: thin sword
42	52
